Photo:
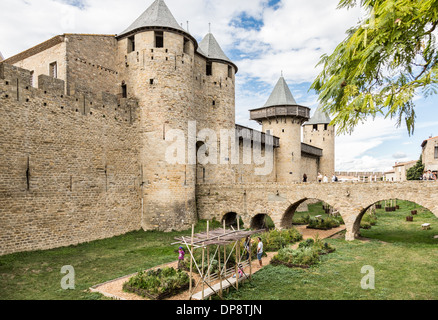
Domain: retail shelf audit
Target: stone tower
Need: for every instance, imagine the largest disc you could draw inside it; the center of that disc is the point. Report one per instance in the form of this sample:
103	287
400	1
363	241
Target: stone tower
156	59
319	133
215	102
282	117
182	86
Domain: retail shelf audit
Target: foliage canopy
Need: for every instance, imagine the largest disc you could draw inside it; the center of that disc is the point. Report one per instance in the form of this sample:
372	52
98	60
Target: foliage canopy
382	64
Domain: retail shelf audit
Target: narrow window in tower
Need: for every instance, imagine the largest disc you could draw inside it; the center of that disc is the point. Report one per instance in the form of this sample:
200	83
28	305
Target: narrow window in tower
209	69
315	127
230	72
131	44
325	127
124	91
214	102
53	70
186	46
31	78
159	39
436	152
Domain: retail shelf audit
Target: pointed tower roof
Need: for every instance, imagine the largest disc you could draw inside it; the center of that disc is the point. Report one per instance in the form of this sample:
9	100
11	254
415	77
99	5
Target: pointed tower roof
281	95
319	117
281	103
157	15
211	48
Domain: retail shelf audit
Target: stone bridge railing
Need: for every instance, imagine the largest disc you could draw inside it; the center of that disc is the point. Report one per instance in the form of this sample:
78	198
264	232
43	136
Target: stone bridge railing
280	201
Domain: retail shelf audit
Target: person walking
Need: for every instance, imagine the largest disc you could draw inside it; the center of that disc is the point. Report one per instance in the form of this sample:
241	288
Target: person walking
260	251
181	254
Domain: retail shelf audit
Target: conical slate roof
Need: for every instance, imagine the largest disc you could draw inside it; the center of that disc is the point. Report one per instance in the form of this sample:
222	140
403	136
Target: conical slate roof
320	117
157	15
210	48
281	95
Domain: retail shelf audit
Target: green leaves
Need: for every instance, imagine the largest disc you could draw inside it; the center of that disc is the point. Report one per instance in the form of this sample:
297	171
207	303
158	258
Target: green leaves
382	64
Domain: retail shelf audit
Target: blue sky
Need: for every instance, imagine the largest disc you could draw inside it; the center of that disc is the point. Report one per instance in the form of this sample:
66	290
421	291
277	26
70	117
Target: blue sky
263	38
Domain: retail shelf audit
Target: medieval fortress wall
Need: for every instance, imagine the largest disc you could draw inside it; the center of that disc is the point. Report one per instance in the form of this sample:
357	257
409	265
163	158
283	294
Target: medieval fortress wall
86	121
69	165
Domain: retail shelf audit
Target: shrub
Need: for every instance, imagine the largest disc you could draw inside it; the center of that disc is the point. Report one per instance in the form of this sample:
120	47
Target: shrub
301	220
307	254
327	223
275	240
371	220
307	243
157	283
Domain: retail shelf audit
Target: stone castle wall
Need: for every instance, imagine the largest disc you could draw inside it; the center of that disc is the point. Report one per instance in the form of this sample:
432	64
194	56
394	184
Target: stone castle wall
69	169
323	139
91	61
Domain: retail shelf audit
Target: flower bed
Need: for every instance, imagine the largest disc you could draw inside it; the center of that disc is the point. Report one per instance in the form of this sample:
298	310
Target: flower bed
158	284
307	254
300	221
323	224
278	239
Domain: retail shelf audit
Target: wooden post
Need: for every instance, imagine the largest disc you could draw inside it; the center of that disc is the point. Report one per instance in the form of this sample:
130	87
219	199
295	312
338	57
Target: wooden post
220	271
191	262
202	270
208	251
250	260
237	263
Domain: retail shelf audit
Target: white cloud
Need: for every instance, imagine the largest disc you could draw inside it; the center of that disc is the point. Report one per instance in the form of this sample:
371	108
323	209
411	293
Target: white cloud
352	151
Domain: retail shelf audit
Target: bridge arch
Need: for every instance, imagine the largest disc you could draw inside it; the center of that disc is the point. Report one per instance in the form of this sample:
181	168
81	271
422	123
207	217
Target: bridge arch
426	203
261	221
287	218
230	218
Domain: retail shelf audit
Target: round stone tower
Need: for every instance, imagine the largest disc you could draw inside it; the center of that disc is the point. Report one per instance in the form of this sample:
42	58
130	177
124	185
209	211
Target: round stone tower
282	117
319	133
156	58
215	103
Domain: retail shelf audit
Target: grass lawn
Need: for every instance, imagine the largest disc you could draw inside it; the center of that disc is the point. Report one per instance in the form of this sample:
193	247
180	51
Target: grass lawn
404	257
37	275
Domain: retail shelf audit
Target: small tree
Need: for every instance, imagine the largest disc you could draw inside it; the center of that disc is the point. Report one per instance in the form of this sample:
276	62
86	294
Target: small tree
416	171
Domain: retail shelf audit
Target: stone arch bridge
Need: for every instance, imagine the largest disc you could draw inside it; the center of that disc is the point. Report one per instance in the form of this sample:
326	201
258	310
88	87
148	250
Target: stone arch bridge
280	201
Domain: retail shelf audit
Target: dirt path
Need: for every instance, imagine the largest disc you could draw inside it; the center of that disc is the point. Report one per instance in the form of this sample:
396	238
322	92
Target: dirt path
114	289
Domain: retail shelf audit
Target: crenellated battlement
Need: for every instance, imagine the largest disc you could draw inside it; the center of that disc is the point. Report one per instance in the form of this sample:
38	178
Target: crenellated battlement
16	84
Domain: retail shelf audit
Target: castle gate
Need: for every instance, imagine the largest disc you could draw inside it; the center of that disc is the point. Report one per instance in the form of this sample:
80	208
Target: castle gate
279	201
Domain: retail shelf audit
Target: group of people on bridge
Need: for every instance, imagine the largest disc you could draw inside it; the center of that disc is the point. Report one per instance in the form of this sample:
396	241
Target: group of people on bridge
322	178
429	175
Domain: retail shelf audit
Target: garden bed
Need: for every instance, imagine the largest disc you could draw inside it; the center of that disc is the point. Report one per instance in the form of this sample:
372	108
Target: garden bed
306	255
146	294
158	284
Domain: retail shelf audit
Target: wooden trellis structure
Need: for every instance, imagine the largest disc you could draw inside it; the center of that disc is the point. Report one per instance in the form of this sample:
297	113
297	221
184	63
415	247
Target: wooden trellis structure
220	238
